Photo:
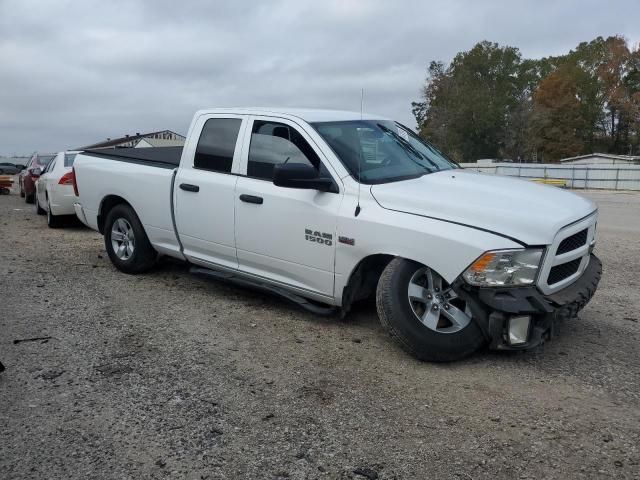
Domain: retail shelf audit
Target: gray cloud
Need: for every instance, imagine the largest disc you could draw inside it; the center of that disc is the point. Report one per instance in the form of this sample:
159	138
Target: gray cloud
76	72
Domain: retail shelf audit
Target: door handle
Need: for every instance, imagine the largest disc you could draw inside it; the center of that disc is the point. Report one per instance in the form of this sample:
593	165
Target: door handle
251	199
189	188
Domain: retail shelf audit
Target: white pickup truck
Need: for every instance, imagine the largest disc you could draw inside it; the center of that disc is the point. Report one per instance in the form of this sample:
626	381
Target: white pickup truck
327	208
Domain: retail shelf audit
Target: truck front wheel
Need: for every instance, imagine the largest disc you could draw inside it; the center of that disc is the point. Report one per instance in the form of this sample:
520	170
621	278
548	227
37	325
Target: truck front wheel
126	241
424	315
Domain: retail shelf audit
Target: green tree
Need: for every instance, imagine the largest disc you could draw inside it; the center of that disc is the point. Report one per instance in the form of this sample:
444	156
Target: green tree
466	105
489	102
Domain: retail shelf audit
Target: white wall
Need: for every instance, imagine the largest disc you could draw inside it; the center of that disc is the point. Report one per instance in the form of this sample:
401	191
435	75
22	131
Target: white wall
143	144
600	176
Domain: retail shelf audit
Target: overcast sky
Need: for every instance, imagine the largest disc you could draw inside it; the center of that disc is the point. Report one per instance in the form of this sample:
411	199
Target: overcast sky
77	72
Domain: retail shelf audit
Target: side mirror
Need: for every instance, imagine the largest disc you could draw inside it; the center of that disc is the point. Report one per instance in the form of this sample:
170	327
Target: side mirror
36	172
299	175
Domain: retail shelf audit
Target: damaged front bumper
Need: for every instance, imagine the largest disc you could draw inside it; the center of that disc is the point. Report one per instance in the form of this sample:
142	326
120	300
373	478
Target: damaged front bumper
502	313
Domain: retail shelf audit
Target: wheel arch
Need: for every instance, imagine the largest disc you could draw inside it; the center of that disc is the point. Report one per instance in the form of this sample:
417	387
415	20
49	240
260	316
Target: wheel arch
106	205
364	277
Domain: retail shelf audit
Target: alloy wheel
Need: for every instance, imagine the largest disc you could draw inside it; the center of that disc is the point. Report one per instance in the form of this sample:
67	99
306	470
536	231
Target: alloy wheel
436	304
122	239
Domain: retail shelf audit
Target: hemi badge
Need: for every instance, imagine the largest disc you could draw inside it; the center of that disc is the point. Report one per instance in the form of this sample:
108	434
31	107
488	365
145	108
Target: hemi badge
347	240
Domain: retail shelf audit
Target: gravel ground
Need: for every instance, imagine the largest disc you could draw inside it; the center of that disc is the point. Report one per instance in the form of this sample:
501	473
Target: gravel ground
166	375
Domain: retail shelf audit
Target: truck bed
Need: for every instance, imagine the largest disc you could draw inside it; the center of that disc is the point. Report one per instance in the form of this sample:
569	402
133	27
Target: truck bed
163	157
143	177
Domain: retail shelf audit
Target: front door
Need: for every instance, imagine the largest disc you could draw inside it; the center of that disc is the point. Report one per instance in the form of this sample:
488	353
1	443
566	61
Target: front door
285	234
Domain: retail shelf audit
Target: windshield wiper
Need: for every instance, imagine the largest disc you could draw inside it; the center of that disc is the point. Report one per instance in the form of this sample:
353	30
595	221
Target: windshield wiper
405	144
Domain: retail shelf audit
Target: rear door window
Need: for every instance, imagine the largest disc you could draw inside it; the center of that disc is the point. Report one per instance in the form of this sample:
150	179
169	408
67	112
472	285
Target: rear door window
216	144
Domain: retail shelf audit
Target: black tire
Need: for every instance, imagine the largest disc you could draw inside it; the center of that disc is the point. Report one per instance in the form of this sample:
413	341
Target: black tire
39	209
53	221
144	255
398	318
29	198
21	191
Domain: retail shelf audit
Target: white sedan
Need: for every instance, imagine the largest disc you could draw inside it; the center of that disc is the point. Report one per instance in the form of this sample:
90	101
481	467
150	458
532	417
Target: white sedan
54	189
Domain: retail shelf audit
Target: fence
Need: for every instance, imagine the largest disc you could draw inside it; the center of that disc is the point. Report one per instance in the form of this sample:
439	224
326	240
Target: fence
609	177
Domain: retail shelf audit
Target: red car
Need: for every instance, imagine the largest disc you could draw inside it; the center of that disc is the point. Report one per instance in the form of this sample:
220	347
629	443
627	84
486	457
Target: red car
28	176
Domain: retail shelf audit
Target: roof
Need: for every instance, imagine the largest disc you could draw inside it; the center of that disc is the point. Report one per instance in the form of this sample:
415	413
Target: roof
44	156
618	158
117	141
306	114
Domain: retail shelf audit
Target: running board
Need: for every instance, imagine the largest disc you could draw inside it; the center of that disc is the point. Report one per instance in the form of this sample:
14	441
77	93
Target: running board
302	302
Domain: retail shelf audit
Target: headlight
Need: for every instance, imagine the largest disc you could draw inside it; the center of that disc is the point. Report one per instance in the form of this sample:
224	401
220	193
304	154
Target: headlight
504	268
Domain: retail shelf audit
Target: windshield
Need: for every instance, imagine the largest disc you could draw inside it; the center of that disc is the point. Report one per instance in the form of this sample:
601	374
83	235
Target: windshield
381	151
43	160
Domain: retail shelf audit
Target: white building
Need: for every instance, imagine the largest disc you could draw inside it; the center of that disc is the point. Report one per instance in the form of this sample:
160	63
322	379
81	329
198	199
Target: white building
129	141
148	142
483	162
600	159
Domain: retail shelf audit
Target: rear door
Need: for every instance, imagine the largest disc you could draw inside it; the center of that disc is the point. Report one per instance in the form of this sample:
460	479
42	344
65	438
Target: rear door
204	190
285	234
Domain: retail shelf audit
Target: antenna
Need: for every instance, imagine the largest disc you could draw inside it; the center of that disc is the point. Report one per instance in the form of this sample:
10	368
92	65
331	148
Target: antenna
357	212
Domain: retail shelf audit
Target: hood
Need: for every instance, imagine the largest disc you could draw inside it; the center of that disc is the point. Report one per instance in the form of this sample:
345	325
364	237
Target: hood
520	209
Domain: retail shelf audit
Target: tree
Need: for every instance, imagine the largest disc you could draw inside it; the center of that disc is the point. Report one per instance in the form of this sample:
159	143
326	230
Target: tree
557	120
465	105
489	102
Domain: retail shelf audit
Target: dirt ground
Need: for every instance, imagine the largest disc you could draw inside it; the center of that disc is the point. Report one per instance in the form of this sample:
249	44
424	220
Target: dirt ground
166	375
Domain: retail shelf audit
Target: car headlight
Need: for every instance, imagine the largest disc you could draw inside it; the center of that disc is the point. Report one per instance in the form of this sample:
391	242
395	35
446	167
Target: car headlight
504	268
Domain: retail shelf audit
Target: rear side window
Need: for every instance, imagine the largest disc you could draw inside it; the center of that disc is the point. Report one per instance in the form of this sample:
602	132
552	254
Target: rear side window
68	159
274	143
216	144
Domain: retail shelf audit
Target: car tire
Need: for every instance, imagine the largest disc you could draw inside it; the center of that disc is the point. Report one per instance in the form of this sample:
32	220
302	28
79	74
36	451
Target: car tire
126	241
29	198
39	209
430	339
21	191
53	221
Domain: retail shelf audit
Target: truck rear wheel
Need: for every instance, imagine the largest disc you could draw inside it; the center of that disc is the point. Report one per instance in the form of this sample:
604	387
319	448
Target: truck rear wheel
424	315
126	241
